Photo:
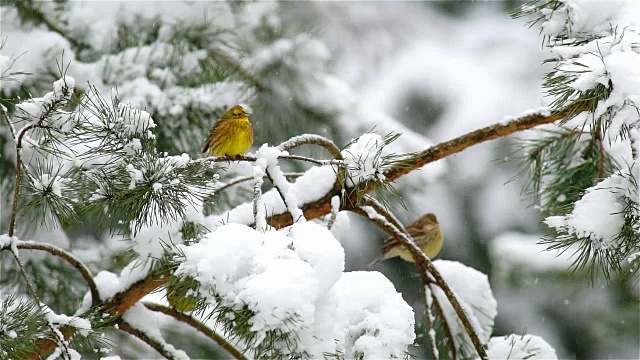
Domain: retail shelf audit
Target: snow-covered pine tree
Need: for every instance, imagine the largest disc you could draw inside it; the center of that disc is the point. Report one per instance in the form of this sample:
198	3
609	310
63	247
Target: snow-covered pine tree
584	173
107	166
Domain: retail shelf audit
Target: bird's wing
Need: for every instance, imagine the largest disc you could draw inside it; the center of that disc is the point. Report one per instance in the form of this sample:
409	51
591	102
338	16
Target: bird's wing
212	133
391	241
388	244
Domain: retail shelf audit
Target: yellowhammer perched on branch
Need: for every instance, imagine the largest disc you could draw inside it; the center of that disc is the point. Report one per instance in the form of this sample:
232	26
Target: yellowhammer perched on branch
231	135
425	232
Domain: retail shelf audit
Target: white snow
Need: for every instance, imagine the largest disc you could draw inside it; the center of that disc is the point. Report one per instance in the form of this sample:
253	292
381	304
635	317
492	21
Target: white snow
52	183
142	319
82	325
136	176
259	208
278	274
293	281
364	159
34	109
342	228
373	318
523	252
311	186
63	88
579	18
267	157
474	293
134	120
108	284
6	240
520	347
597	216
157	187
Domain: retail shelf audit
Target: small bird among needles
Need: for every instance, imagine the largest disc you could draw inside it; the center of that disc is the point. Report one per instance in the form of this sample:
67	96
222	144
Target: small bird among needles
232	135
425	232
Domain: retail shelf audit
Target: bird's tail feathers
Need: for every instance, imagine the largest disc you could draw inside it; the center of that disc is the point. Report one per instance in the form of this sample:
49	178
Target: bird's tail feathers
375	261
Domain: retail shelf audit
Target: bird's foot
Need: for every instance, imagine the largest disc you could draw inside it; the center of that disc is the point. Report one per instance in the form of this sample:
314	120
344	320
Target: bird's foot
231	158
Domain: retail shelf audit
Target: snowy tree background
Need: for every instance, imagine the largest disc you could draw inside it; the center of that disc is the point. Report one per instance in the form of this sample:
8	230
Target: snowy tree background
431	71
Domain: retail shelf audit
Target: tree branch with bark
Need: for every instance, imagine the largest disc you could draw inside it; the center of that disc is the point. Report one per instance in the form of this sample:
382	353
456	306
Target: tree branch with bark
122	301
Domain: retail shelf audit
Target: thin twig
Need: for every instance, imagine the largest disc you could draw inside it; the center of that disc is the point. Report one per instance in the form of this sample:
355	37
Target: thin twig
6	117
258	219
381	209
68	257
335	209
282	196
312	139
248	158
445	325
198	326
311	160
16	192
40	305
428	299
21	133
242	179
158	346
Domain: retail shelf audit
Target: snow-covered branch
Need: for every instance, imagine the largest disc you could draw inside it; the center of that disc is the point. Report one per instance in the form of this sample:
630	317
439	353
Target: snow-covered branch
7	243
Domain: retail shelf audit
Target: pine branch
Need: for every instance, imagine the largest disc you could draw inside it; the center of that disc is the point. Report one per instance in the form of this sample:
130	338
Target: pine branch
248	158
68	257
57	335
8	121
126	327
118	305
198	326
310	139
242	179
23	318
122	301
27	8
49	109
322	206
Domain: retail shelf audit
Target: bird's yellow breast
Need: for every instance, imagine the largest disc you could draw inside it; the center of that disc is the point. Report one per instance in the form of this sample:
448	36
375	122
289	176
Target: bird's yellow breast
236	140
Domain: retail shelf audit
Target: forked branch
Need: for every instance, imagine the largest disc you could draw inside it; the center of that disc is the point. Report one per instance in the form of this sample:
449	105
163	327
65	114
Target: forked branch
322	206
426	268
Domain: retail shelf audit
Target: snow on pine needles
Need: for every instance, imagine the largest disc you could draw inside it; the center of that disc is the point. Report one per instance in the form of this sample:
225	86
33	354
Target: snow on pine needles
292	284
586	171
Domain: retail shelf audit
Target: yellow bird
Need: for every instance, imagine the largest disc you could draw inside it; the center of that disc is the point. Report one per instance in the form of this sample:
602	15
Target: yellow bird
231	135
425	232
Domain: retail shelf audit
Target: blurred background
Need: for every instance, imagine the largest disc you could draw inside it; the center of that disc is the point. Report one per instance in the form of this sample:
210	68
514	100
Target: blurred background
441	69
431	70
